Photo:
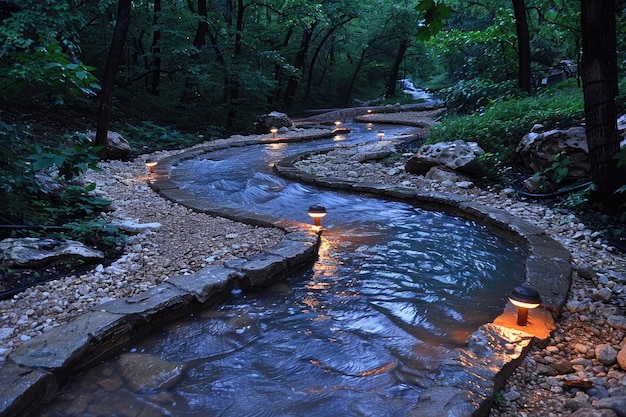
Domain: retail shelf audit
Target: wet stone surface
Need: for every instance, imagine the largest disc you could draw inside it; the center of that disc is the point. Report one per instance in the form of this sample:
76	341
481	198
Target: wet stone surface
559	376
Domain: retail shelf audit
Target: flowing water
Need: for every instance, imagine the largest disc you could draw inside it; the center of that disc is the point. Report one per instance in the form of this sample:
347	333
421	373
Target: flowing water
395	288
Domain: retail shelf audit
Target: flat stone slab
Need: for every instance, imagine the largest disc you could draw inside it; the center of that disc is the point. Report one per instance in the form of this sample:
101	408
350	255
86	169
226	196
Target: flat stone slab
64	346
206	282
23	388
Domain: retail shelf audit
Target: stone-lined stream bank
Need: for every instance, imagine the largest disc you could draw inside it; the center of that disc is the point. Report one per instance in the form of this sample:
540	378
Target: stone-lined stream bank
29	335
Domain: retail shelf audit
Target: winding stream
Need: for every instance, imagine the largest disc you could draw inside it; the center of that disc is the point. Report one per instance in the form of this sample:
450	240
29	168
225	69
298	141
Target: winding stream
395	288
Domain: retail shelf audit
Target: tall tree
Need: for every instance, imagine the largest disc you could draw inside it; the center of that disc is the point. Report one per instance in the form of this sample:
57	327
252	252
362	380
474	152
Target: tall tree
305	43
156	50
523	45
598	69
108	82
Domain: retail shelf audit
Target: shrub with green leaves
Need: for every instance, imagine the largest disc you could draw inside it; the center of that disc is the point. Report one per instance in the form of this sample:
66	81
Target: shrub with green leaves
469	96
40	51
150	136
23	168
502	125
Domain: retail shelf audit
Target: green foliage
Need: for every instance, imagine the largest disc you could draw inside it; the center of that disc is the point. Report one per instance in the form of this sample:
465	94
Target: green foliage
620	156
25	200
473	95
70	162
150	136
554	174
40	51
95	233
502	125
434	16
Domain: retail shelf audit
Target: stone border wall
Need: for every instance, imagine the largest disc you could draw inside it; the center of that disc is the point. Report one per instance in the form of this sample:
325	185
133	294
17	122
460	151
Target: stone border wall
465	384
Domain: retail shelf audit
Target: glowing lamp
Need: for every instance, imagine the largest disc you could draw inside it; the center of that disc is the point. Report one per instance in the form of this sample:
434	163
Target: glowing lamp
151	165
273	130
317	212
337	123
524	298
380	135
369	112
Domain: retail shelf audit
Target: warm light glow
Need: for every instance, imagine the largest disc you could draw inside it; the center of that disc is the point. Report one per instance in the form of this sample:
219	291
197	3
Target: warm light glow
369	112
524	298
337	123
274	131
523	304
151	165
316	212
380	135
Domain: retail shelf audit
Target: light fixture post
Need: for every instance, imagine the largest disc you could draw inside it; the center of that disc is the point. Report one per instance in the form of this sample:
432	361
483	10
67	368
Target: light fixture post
317	212
524	298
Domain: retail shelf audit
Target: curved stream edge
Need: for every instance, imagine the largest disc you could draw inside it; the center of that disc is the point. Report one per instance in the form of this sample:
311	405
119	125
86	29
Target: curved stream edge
467	381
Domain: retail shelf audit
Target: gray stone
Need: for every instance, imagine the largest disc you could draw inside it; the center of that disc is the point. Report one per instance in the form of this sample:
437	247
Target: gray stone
204	283
537	150
586	272
65	346
146	372
23	388
117	146
438	173
618	322
6	332
605	354
603	294
457	155
617	404
297	254
34	252
273	119
260	269
136	227
590	412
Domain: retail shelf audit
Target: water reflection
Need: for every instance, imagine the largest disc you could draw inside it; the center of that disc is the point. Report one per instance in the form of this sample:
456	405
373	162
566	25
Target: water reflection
395	288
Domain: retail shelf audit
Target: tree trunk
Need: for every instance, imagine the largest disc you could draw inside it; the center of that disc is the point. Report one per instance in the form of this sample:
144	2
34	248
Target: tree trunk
355	75
523	45
233	81
108	82
156	51
599	75
390	89
292	85
189	91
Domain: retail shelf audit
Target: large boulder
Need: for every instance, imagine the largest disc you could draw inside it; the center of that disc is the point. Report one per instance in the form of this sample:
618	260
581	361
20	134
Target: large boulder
538	148
458	155
117	146
273	120
33	252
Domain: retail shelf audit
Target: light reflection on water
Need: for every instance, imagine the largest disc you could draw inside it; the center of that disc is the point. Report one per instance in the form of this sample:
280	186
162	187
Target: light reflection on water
394	289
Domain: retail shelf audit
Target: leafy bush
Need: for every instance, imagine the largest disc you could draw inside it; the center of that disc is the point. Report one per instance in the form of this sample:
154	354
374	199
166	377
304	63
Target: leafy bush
502	125
150	136
469	96
25	199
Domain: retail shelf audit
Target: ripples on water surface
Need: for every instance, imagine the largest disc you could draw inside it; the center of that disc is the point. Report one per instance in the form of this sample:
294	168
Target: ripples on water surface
394	289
